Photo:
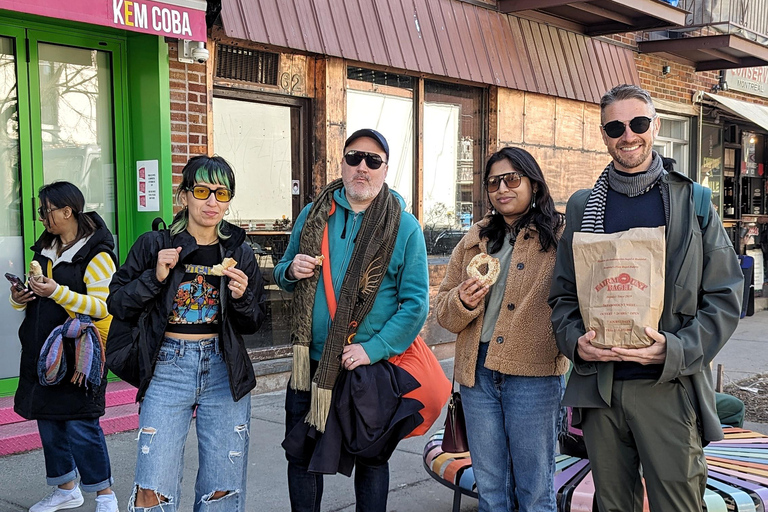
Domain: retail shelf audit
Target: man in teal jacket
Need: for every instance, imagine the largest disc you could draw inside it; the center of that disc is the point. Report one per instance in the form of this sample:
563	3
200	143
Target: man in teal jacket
652	406
357	264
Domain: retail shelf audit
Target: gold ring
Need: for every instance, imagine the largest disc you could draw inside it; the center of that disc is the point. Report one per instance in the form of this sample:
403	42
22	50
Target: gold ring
351	359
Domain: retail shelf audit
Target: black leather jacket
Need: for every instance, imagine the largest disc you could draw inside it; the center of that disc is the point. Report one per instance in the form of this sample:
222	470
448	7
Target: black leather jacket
140	304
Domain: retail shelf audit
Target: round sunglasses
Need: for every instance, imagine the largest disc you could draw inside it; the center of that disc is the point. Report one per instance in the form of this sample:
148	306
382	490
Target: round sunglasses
511	180
372	160
638	125
222	195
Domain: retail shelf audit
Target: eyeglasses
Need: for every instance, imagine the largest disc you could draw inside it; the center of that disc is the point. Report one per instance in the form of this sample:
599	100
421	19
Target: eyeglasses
511	180
372	160
222	195
43	212
638	125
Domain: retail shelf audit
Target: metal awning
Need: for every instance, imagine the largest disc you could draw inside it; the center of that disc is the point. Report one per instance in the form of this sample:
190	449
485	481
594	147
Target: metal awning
756	114
707	53
443	38
599	17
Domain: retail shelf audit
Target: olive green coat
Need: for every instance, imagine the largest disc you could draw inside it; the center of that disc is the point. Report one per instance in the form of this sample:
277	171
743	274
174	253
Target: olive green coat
702	304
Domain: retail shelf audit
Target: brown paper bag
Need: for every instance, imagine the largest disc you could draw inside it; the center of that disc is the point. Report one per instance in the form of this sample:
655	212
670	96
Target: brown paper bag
620	284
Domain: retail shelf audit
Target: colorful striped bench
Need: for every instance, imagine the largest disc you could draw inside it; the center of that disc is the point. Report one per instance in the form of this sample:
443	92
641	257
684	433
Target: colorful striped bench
737	480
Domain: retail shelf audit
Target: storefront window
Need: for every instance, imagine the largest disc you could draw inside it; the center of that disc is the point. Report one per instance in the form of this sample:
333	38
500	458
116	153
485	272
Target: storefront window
384	101
711	171
672	141
264	138
76	123
452	163
11	244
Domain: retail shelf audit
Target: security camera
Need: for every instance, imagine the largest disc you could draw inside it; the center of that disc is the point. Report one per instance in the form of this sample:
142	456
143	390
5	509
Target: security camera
200	54
191	52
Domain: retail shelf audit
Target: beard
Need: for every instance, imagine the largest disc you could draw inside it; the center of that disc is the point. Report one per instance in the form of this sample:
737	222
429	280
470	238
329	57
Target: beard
634	161
361	192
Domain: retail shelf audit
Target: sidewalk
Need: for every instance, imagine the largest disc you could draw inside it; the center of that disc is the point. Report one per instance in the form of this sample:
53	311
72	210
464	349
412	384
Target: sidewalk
411	489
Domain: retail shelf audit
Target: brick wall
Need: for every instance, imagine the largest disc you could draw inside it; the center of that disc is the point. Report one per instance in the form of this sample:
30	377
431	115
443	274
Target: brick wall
189	111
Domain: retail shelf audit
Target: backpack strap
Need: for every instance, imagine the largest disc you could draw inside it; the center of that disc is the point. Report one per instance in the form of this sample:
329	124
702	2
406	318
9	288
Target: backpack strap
702	199
166	232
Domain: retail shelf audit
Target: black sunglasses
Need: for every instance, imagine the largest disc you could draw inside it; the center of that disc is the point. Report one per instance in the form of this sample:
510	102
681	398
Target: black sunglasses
222	195
511	180
372	160
638	125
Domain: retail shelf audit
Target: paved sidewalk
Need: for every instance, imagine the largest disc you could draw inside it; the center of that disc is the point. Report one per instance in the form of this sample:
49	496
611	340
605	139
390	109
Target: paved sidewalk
411	489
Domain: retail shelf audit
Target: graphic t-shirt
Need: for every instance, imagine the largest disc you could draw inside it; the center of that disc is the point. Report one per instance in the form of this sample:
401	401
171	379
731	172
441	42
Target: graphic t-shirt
196	306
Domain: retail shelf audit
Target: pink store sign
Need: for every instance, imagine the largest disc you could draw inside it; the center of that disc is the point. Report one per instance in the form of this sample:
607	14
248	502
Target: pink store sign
183	19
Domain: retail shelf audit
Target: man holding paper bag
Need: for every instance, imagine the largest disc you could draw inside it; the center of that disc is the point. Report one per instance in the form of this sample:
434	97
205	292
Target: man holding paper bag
642	392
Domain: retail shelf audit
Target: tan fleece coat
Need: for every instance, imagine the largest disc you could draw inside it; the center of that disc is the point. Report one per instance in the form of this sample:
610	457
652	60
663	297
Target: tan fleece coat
522	341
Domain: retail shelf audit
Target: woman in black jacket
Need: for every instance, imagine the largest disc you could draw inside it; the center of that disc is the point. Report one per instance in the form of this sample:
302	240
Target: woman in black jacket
188	309
76	258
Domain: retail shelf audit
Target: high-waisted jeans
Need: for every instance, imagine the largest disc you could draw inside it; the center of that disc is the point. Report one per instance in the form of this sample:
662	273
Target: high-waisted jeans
192	376
512	424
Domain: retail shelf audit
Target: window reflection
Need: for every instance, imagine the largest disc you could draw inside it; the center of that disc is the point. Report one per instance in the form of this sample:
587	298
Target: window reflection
76	122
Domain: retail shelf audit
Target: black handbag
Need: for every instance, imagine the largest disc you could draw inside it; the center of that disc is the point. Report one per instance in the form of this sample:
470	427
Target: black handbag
455	433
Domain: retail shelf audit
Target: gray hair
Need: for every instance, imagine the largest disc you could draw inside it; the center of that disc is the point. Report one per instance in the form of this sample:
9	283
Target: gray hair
626	92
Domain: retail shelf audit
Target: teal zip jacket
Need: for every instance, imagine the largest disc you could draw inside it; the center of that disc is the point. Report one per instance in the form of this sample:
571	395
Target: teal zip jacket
402	302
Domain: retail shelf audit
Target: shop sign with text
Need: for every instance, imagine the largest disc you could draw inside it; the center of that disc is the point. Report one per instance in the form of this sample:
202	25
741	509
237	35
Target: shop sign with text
182	19
748	80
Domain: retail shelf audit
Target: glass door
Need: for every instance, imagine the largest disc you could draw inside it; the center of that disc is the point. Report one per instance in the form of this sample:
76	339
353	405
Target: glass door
71	92
60	104
11	240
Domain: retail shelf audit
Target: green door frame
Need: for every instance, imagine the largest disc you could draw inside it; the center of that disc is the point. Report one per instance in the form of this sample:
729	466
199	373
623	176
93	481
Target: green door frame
116	49
141	95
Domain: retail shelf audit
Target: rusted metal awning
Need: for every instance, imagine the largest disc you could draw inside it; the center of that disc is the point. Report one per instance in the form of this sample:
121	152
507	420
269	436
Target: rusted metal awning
705	53
600	17
443	38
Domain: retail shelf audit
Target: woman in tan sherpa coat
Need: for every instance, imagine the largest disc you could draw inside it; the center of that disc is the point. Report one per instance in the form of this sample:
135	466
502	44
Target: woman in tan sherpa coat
509	368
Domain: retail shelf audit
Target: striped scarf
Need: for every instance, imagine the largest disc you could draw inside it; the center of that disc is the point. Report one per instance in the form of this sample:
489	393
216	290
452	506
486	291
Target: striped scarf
631	186
89	356
368	264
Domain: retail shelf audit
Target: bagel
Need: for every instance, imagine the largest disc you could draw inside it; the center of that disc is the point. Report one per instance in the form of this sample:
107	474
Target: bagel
490	277
35	271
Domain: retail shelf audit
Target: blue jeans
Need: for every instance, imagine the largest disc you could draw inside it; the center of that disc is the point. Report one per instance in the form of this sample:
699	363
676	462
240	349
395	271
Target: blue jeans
306	489
512	424
72	446
192	376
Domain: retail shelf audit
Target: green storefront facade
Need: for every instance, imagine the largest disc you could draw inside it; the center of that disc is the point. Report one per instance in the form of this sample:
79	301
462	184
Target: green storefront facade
84	99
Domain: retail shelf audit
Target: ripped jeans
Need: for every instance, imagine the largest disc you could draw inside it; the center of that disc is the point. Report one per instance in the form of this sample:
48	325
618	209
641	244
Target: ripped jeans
189	376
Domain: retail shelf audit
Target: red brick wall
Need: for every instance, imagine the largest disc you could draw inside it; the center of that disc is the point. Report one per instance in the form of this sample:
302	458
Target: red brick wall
189	111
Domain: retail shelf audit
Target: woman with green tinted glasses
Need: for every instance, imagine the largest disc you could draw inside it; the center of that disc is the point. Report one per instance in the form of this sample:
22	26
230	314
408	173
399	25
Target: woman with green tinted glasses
193	293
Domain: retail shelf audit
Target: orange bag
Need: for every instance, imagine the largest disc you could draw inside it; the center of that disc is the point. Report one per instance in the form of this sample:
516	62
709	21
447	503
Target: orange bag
418	360
435	389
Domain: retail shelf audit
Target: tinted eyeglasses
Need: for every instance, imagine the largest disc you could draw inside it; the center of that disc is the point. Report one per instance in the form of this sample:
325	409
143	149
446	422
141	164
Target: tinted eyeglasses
222	195
43	212
638	125
372	160
511	180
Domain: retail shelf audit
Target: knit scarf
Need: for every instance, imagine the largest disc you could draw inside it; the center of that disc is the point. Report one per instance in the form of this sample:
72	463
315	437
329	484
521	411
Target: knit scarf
89	357
632	186
373	249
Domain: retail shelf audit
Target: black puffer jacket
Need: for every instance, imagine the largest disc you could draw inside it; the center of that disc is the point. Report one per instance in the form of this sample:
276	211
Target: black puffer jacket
63	401
141	305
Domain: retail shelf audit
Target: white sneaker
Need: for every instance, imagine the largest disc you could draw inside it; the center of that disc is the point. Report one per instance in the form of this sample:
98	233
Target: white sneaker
59	499
106	503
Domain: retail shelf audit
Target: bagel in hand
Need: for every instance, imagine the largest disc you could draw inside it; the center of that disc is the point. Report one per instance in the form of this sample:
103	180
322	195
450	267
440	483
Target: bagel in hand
491	275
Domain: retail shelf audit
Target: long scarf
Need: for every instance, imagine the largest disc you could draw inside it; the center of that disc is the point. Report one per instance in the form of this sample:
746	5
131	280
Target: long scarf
89	356
632	186
373	249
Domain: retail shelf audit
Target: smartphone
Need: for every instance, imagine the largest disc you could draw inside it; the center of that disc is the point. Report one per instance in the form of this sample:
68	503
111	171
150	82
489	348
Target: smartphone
16	281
